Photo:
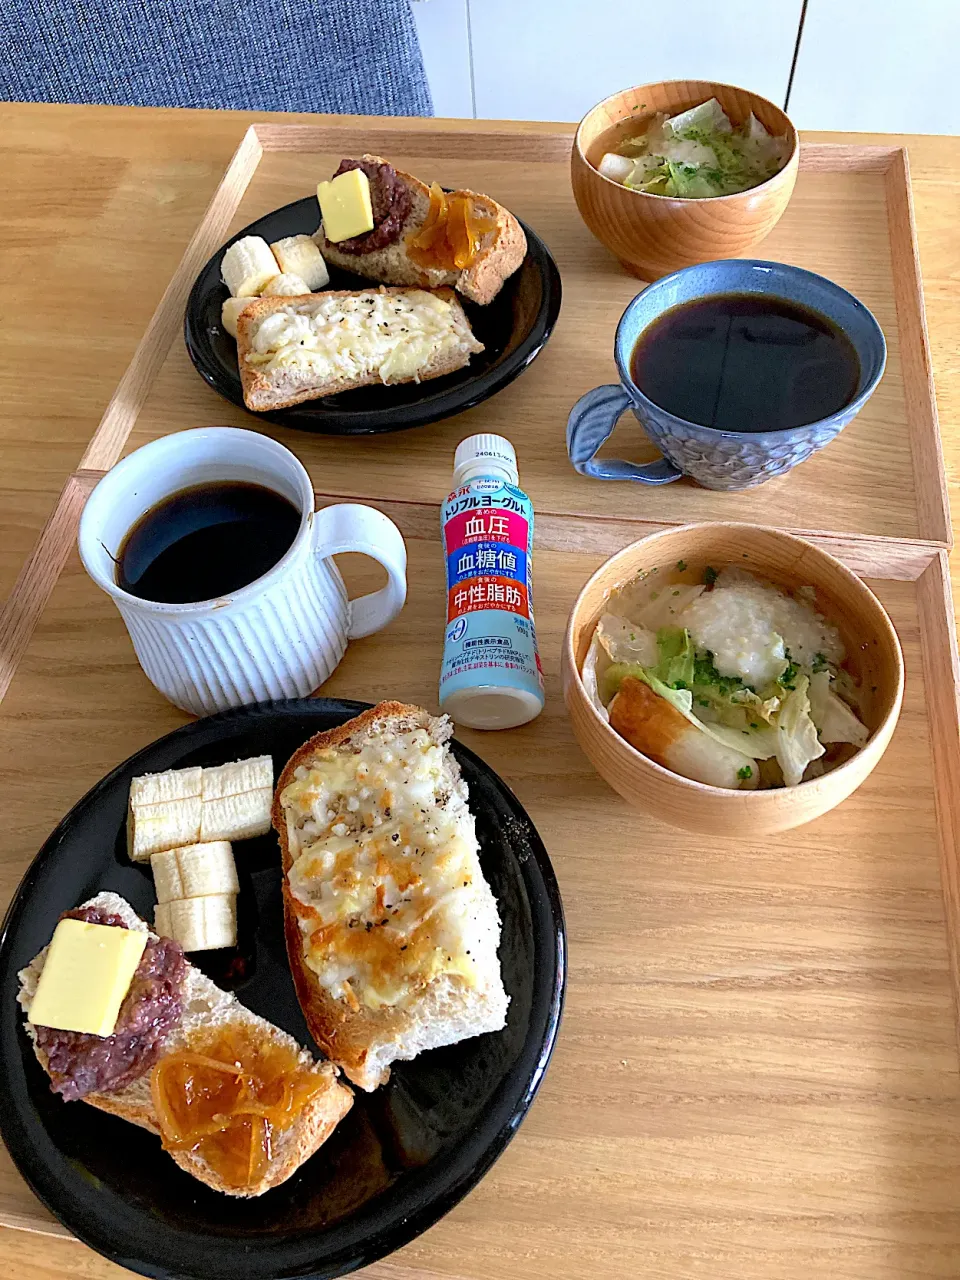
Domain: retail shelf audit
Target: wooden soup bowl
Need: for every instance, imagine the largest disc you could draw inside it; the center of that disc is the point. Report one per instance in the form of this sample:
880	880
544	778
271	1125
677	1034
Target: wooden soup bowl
654	235
873	657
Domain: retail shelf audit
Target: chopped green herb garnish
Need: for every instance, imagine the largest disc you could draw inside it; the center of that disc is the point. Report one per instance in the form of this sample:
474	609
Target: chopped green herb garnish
676	593
703	702
820	663
710	575
681	565
745	773
706	674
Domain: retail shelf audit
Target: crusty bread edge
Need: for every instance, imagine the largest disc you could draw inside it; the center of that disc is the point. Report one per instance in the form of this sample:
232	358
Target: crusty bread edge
258	393
317	1121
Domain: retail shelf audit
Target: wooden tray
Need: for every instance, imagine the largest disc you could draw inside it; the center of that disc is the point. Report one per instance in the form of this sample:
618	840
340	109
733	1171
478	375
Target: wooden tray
878	486
757	1068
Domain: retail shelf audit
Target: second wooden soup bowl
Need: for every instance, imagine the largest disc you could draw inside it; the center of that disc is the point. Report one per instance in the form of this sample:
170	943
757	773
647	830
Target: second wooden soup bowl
873	657
654	235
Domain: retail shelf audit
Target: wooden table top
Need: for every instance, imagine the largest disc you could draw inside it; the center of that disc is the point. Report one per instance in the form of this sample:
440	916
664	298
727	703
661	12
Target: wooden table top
96	207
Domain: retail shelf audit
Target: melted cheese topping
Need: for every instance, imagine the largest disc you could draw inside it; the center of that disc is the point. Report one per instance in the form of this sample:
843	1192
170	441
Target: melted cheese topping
384	884
394	335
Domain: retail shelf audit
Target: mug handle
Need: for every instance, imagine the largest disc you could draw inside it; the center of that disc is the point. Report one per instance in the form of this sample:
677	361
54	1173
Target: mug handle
349	526
591	423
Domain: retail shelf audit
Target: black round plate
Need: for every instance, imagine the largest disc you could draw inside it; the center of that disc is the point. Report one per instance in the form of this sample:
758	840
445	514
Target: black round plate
514	327
403	1155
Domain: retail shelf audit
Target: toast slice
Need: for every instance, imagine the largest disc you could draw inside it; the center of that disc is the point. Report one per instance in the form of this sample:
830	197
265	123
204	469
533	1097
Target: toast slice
391	928
205	1006
296	349
501	252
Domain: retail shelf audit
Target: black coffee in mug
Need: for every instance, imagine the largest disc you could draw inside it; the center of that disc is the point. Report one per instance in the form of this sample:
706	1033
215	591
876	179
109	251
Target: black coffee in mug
746	362
206	541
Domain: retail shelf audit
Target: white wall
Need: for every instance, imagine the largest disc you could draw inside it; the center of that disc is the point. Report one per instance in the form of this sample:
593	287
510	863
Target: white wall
553	59
884	66
871	65
445	45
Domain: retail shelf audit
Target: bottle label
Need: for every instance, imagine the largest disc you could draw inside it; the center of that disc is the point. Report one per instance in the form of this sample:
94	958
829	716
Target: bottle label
490	636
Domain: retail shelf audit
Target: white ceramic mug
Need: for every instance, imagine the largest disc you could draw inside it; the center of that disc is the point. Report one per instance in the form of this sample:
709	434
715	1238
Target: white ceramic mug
278	637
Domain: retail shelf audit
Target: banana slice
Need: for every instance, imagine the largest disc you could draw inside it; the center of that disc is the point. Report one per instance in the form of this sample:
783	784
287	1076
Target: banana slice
230	311
248	266
285	286
236	800
160	788
191	806
299	255
164	812
195	871
199	924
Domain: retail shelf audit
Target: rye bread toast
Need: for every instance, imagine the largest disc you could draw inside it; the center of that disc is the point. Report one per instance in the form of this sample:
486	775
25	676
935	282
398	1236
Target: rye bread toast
206	1005
501	251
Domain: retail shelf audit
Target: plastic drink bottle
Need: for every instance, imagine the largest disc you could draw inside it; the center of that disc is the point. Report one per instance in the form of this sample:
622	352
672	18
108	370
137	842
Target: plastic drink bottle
491	676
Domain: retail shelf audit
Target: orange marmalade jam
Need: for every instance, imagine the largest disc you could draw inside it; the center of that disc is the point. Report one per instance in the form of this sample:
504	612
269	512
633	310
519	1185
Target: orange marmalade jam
452	232
226	1095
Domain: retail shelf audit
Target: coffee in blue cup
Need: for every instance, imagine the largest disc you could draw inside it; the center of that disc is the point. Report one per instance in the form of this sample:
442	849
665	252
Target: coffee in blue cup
736	370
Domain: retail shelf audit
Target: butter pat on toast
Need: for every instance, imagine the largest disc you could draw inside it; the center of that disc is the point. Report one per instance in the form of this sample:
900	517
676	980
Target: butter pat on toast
391	928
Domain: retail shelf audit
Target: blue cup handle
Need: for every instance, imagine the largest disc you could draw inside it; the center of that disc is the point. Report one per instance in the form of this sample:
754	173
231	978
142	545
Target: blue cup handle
591	423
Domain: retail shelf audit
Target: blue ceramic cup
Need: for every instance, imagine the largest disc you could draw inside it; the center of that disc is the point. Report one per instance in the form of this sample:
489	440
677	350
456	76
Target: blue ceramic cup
719	459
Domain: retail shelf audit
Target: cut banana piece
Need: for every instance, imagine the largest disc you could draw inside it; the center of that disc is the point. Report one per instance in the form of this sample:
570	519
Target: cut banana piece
152	828
191	806
159	788
248	266
199	924
300	256
286	286
164	812
195	871
230	311
237	799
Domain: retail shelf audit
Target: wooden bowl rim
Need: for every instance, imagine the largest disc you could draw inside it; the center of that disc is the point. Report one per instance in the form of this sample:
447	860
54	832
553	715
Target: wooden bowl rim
791	159
759	796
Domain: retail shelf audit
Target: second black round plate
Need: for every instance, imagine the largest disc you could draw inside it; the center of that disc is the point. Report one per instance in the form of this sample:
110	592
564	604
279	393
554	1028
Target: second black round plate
403	1155
513	328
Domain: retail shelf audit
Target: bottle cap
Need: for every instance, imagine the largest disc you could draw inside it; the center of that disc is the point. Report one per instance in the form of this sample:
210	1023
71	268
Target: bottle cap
485	455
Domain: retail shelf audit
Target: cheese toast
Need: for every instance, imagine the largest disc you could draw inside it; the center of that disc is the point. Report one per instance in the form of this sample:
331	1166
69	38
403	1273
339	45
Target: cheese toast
391	928
295	349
